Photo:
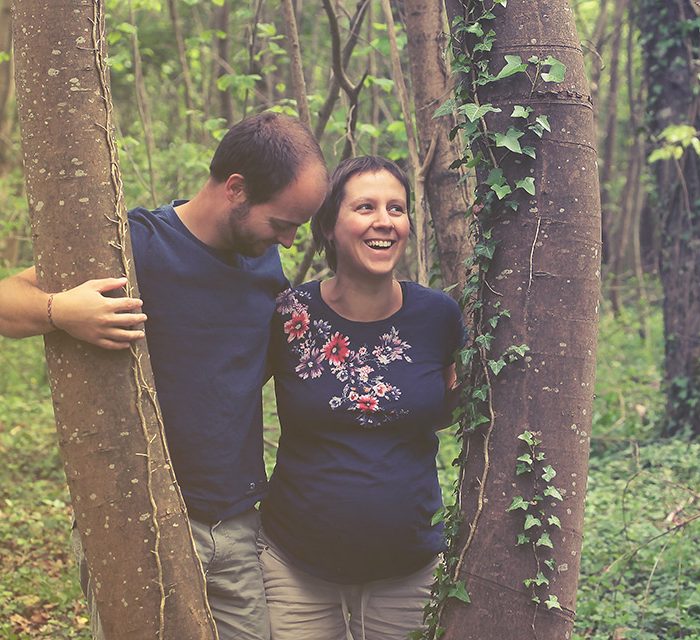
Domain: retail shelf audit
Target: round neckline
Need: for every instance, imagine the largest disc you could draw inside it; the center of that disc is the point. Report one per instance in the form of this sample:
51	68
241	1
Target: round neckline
331	310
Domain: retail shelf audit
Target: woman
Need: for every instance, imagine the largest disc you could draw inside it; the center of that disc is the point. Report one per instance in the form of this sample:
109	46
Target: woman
363	367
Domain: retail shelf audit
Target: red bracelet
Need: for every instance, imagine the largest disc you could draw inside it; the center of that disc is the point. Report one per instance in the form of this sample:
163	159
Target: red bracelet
48	311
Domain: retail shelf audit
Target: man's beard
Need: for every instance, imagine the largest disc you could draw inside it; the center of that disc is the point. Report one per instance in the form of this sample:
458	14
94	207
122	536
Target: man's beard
242	241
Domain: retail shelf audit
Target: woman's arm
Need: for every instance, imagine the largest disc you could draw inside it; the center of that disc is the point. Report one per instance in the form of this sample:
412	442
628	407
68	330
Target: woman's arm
83	312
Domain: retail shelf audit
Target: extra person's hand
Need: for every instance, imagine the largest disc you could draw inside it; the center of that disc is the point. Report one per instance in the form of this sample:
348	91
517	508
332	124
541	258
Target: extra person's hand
87	315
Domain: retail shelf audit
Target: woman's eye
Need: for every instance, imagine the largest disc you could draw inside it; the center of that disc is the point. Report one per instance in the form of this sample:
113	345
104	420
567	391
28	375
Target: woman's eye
365	206
398	209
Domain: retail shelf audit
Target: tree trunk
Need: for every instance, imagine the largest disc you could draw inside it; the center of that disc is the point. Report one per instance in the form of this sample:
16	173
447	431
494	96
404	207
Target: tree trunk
446	196
147	579
545	273
671	47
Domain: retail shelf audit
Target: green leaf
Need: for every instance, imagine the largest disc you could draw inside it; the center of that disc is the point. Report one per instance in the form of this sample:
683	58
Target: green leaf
509	140
530	151
501	190
552	602
521	112
514	64
550	563
438	516
474	112
531	521
541	579
526	184
496	366
554	521
522	539
481	393
557	70
445	108
548	473
527	437
459	591
544	541
526	457
553	492
518	503
543	121
495	177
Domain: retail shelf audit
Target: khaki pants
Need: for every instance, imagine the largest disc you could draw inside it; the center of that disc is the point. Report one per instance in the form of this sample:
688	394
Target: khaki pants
234	583
303	607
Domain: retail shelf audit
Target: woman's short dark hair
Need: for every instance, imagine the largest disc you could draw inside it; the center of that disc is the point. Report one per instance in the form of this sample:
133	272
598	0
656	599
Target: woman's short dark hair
323	223
268	150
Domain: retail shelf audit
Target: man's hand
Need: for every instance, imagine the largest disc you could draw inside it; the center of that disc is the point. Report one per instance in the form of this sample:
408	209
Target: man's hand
87	315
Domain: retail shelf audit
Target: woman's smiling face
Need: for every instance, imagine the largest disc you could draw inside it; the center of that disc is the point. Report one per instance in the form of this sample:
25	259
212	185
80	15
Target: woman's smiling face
372	227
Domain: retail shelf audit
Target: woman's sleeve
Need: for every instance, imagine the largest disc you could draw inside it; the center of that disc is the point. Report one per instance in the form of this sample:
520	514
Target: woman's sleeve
456	331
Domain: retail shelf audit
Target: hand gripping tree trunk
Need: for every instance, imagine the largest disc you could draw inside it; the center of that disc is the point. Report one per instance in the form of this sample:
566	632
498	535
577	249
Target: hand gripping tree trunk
147	579
518	545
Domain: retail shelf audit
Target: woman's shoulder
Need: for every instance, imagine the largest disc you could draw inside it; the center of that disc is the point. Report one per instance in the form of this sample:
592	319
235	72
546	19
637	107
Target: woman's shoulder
419	295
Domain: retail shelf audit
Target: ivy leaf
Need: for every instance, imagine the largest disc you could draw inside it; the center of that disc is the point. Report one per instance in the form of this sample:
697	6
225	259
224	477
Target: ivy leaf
557	70
459	591
514	64
518	503
445	108
438	516
527	437
527	184
553	492
531	521
544	541
530	151
496	365
520	111
495	177
474	111
550	563
543	121
501	190
526	457
541	579
521	468
552	602
548	473
554	521
481	393
522	539
509	140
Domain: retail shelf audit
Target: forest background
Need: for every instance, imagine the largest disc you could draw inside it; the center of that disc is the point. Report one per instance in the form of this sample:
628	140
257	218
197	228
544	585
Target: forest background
182	71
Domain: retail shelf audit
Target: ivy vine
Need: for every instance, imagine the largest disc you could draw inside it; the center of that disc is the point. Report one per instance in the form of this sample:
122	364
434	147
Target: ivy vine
472	39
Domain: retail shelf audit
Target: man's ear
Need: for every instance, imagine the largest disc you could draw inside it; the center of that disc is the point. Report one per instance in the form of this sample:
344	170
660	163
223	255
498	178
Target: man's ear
235	189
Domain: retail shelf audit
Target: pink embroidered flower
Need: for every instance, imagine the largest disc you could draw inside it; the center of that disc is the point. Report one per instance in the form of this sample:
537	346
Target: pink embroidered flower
310	364
298	324
367	404
336	349
381	389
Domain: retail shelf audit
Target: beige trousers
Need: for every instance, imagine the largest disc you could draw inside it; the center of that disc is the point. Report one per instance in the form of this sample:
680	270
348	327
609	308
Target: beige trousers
303	607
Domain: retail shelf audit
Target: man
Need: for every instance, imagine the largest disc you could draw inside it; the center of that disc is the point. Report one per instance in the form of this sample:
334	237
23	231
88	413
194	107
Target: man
208	272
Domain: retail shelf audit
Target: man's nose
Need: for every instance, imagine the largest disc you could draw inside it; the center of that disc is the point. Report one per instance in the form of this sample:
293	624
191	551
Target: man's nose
286	239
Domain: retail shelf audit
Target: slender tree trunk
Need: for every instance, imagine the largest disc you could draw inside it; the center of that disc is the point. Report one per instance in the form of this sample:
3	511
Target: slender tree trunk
610	136
147	579
223	48
545	272
671	43
446	193
296	67
182	57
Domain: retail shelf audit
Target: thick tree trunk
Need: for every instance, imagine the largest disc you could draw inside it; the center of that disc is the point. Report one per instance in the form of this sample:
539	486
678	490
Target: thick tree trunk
545	272
672	53
147	579
446	196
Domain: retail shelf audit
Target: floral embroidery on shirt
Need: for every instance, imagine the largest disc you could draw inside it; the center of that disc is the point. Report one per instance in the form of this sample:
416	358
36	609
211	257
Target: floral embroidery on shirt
321	350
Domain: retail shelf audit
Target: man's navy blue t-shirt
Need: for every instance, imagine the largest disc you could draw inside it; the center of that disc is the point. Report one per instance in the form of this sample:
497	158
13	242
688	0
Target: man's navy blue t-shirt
208	329
355	484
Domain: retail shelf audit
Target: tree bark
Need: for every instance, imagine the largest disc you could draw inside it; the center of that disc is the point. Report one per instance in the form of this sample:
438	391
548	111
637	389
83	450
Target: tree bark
671	48
446	196
545	272
147	579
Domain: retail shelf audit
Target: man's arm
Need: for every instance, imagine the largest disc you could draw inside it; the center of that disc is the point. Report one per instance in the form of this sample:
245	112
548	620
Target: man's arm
83	311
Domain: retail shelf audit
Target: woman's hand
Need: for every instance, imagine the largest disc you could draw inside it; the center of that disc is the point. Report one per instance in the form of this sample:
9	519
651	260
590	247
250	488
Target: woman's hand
106	322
